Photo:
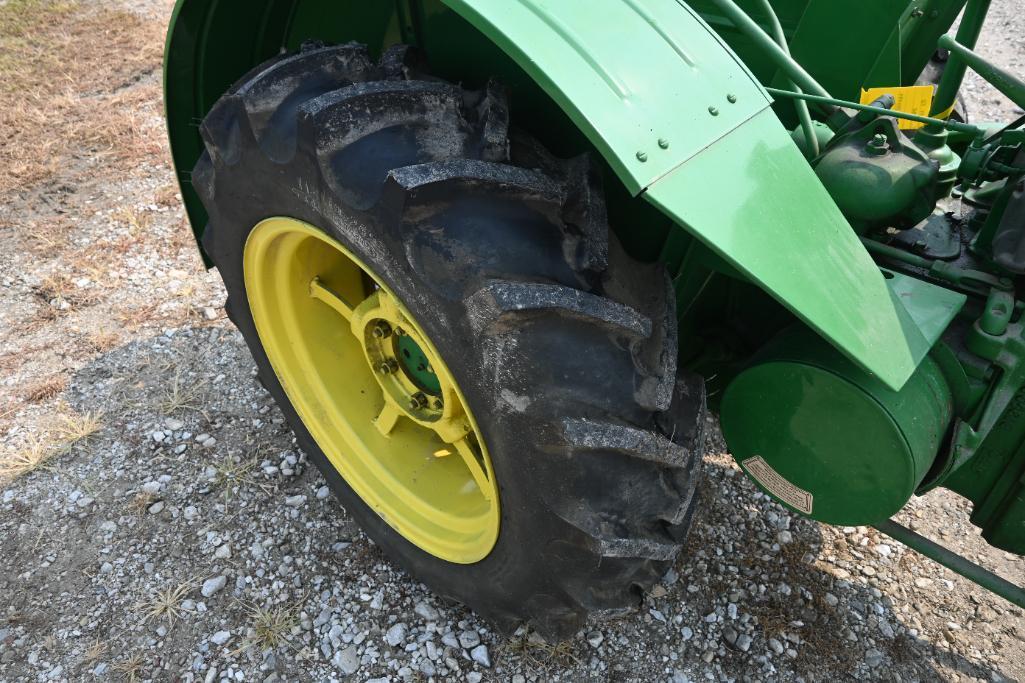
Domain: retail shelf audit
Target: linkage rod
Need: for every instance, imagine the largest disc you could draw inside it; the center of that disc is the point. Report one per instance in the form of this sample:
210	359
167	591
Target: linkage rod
952	125
954	562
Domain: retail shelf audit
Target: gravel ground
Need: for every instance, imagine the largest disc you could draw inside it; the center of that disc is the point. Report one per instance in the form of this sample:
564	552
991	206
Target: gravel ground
157	521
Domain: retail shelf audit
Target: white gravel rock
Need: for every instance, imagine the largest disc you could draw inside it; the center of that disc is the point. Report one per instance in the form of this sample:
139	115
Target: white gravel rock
220	638
395	635
426	612
212	586
479	654
346	660
469	640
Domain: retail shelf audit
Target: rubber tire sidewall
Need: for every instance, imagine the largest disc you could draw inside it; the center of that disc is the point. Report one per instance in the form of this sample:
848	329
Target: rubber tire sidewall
531	539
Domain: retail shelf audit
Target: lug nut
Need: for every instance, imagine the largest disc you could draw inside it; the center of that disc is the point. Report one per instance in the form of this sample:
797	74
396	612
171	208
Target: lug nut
417	401
387	367
438	404
382	330
399	331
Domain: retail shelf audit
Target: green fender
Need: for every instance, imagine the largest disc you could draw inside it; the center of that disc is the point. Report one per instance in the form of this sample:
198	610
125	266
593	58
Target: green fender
675	114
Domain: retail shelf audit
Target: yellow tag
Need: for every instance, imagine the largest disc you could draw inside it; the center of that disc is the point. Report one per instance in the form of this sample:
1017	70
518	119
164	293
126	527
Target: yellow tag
911	99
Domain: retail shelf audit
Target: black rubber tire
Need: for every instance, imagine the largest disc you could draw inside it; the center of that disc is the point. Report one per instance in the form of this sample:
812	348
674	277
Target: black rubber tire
564	347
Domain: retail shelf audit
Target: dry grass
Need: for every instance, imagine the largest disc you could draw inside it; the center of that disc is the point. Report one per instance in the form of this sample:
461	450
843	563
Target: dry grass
73	427
102	340
168	196
538	654
130	668
140	502
28	458
182	395
135	317
95	652
45	389
68	429
233	475
46	236
269	627
65	68
166	604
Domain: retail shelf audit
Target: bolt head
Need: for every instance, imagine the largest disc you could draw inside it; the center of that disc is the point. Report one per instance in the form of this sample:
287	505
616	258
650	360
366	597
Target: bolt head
731	98
878	145
714	111
642	156
663	143
381	330
388	366
400	331
438	404
417	401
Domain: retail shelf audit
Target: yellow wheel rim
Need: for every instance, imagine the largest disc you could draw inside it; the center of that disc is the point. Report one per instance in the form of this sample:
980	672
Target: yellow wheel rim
372	389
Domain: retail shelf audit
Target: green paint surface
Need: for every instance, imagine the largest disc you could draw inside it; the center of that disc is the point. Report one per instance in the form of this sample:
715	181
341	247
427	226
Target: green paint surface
753	199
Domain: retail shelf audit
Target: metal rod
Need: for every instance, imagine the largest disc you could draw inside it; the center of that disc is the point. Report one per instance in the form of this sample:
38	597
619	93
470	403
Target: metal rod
952	125
784	61
896	254
1000	79
803	115
953	73
954	562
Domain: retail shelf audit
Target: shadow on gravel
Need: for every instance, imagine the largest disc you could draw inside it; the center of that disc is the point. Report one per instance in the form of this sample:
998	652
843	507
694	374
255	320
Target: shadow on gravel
195	477
821	593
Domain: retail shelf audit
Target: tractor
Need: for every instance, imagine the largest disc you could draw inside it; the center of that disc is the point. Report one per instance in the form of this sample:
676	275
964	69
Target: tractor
499	262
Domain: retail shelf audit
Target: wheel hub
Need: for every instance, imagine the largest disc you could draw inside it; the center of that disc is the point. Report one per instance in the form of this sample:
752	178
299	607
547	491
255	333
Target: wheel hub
372	389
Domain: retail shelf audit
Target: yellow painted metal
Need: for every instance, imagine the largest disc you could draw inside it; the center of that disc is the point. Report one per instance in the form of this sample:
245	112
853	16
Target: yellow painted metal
331	328
910	99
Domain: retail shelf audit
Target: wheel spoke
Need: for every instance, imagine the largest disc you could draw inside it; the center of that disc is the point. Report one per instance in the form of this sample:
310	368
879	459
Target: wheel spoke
386	419
321	293
466	452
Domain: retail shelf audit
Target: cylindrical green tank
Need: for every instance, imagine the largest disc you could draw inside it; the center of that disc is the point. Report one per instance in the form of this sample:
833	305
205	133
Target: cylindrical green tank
826	438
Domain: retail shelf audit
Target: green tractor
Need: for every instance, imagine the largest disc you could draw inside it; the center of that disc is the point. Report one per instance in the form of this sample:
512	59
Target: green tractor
497	259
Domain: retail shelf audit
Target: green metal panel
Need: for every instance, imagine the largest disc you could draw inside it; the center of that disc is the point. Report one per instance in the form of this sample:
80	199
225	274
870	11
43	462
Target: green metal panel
754	200
835	444
931	308
841	41
648	82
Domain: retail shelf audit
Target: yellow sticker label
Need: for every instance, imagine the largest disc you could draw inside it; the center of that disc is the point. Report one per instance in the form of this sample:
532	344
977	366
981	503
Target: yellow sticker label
910	99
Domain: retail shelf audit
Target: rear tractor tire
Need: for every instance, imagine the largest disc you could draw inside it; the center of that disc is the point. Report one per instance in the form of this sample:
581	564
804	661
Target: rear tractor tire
486	380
